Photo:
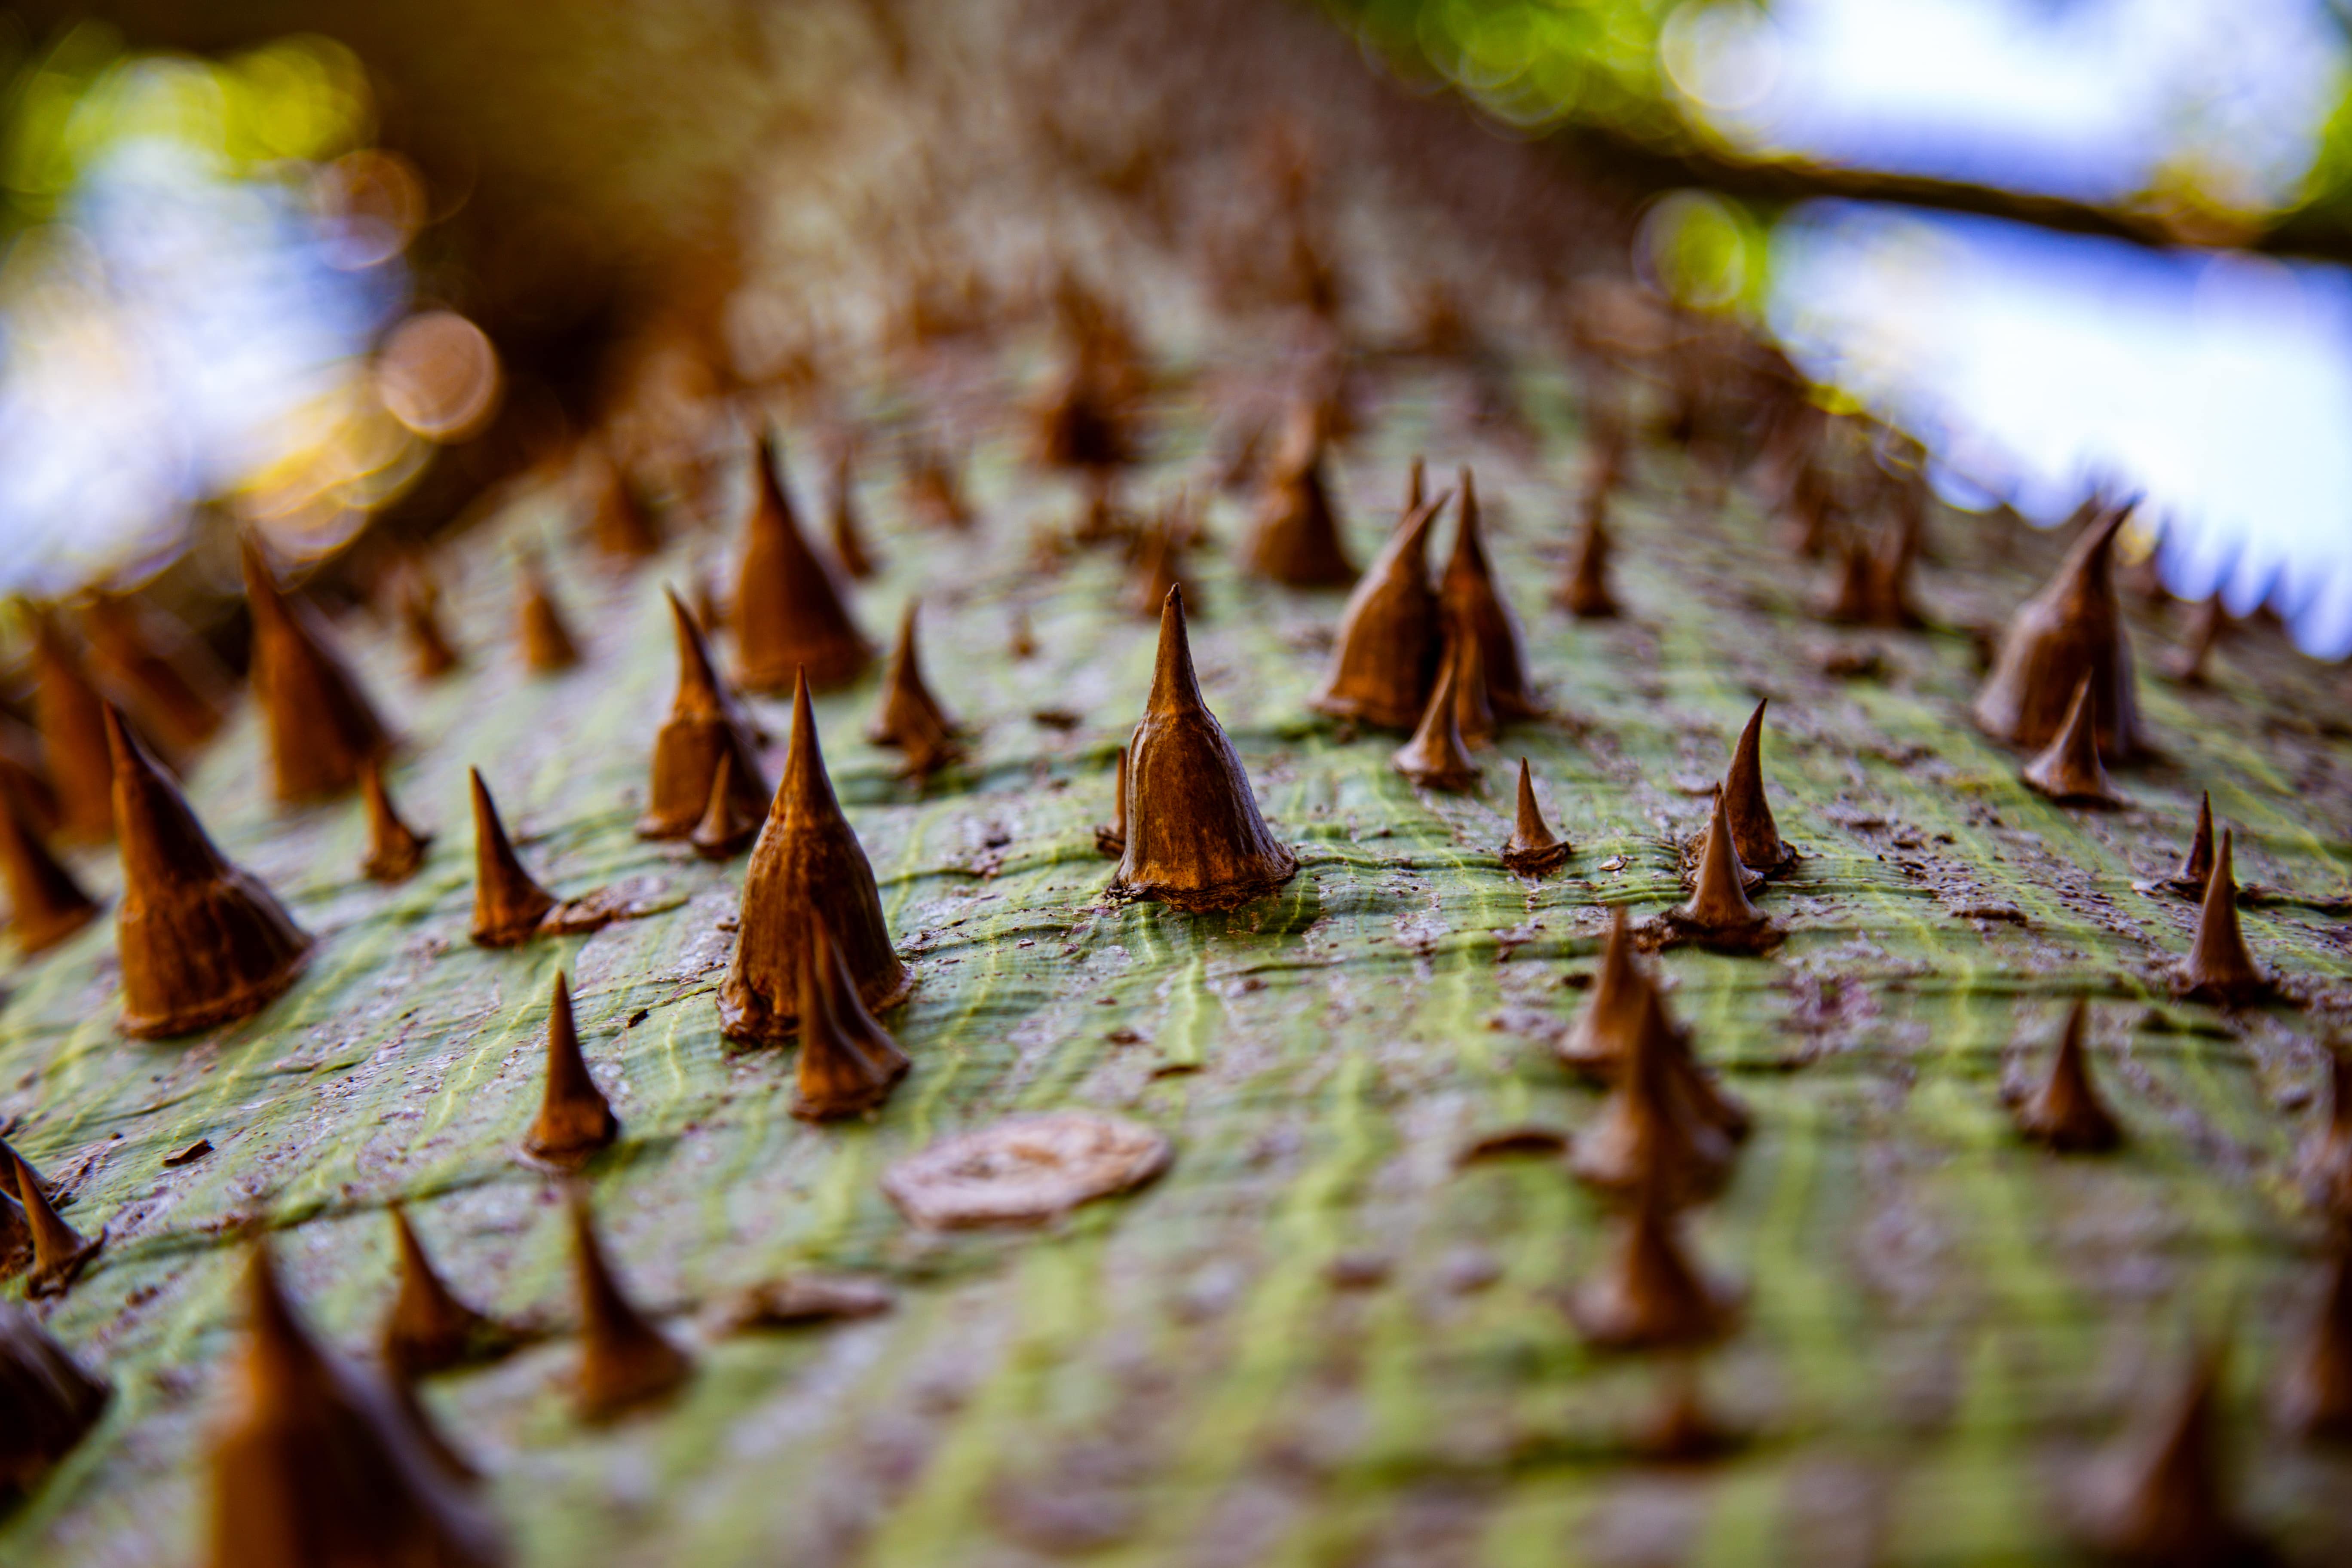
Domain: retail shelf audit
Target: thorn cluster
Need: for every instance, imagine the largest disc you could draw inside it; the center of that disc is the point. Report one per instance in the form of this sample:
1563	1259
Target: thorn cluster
807	869
1193	836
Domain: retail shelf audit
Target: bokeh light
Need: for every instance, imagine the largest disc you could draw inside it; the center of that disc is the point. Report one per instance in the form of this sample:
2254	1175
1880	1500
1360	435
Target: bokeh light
438	374
207	253
1703	250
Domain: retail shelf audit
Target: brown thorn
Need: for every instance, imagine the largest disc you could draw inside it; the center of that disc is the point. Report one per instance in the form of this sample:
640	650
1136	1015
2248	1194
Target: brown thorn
1296	540
1435	757
1159	566
624	1362
1718	903
508	903
1533	849
1848	603
706	726
2066	1113
178	690
394	850
2190	666
321	727
1598	1042
2316	1400
2196	866
934	489
548	646
1652	1135
2068	769
807	865
848	1063
318	1463
46	905
16	1233
1889	577
1474	700
428	1328
2070	630
2220	967
431	652
59	1250
200	940
1754	833
728	824
574	1118
1585	593
790	613
1469	600
2327	1161
1175	685
48	1402
2164	1499
1648	1294
1194	837
70	717
620	524
1388	639
849	548
909	717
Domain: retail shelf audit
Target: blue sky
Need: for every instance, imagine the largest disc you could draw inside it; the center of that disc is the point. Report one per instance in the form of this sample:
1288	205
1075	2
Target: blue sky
2037	363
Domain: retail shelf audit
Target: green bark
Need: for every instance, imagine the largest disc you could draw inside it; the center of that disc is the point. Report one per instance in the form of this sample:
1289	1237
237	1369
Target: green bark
1941	1320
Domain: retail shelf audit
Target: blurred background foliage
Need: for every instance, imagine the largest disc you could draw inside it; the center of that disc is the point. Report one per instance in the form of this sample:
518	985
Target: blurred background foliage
296	101
223	222
1670	81
363	199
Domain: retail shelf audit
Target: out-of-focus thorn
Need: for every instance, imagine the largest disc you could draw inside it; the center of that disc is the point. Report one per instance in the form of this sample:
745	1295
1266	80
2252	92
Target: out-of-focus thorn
790	613
316	1464
322	728
2161	1501
2068	769
849	547
1296	540
428	1328
548	646
2070	631
394	850
2066	1113
48	1402
71	718
909	717
46	905
1387	652
626	1364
